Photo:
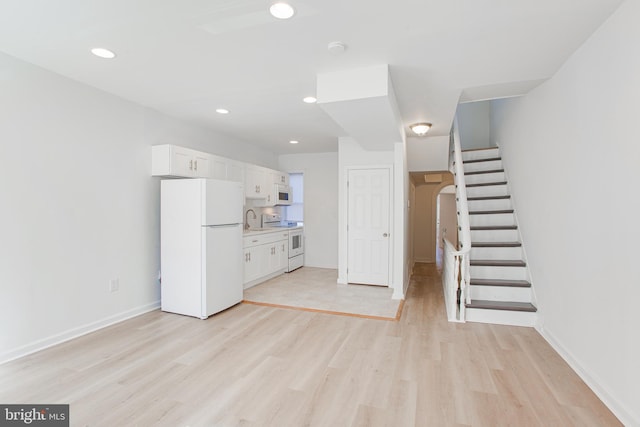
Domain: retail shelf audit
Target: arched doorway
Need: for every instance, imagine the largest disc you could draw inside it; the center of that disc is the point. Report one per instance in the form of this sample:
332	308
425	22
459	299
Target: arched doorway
446	222
425	188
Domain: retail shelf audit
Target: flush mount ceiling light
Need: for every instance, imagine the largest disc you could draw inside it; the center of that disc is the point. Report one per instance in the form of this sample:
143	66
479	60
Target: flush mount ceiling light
281	10
103	53
420	129
309	99
222	111
293	142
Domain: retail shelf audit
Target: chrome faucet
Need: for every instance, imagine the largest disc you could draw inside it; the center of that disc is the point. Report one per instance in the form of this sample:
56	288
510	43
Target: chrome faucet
246	218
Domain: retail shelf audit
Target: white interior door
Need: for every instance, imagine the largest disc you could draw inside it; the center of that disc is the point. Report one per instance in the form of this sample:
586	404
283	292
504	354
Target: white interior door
368	226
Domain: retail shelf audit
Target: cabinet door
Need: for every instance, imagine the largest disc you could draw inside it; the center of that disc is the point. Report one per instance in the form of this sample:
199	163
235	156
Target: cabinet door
235	171
219	167
281	178
251	182
253	260
274	258
283	254
201	165
255	187
181	162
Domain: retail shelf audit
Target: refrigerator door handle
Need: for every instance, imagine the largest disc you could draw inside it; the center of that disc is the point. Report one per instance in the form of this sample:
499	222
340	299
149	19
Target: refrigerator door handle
222	225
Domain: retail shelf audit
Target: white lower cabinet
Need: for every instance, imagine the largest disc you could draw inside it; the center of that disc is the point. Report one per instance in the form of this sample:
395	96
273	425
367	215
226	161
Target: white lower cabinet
282	250
253	260
266	255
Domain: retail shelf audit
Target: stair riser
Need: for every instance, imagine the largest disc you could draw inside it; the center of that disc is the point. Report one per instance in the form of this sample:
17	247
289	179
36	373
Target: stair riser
500	293
501	317
489	205
494	235
485	177
490	272
481	154
492	219
483	166
491	190
496	253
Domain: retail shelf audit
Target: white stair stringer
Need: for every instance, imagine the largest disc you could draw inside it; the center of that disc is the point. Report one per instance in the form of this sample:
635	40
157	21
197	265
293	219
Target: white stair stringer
500	287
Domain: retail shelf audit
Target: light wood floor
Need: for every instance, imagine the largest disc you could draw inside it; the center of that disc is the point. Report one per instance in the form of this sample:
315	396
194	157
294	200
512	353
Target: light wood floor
317	288
263	366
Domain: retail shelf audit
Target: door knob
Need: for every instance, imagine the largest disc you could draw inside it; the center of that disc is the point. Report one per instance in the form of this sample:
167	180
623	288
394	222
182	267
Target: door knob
385	235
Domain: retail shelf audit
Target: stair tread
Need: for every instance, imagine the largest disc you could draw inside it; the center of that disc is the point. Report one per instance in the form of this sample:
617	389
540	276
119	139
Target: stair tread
494	227
497	211
469	199
489	159
486	184
500	282
498	262
487	171
496	244
502	305
468	150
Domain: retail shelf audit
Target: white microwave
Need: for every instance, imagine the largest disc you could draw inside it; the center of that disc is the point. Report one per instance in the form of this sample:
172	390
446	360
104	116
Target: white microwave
283	195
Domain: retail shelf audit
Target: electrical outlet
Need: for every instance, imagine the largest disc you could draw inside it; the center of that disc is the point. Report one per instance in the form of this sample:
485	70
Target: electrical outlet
114	285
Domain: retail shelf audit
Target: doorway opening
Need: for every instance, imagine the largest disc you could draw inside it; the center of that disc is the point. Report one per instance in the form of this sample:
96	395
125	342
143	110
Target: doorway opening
425	232
446	221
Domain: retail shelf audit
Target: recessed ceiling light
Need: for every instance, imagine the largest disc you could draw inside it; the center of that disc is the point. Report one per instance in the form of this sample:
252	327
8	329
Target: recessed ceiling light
103	53
222	111
310	99
281	10
293	142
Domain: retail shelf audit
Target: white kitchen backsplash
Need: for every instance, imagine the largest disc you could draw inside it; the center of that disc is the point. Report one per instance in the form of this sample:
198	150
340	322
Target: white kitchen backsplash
255	223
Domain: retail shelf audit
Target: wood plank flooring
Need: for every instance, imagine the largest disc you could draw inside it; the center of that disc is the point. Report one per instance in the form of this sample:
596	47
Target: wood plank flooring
264	366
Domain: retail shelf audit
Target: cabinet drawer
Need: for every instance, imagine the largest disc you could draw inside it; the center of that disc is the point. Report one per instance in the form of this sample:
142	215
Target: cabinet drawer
263	239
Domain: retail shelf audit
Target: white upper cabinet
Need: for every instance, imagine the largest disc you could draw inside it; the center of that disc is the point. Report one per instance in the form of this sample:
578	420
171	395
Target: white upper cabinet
260	184
256	183
281	178
179	162
173	161
235	170
227	169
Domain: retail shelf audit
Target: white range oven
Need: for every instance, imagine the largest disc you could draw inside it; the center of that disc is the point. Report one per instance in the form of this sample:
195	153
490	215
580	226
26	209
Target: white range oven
296	238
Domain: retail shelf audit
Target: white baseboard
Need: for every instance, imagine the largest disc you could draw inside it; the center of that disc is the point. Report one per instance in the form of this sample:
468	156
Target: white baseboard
397	294
624	414
76	332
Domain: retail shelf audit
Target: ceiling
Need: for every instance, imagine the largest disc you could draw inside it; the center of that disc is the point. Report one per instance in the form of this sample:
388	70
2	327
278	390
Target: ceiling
186	58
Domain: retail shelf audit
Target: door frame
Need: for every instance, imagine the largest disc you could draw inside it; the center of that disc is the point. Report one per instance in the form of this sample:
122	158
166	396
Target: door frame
389	169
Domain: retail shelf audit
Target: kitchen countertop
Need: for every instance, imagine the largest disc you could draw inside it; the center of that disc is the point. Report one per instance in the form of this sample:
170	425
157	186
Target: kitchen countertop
257	231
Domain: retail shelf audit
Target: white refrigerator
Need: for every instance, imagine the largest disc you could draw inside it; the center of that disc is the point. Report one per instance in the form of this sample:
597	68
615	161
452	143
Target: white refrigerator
200	245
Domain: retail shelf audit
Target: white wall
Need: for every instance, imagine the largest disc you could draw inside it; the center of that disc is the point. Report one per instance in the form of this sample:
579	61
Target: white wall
160	129
320	205
581	126
428	153
474	124
351	154
79	206
402	264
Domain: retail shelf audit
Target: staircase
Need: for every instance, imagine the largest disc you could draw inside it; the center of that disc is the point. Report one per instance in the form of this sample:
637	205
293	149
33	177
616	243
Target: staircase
499	287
